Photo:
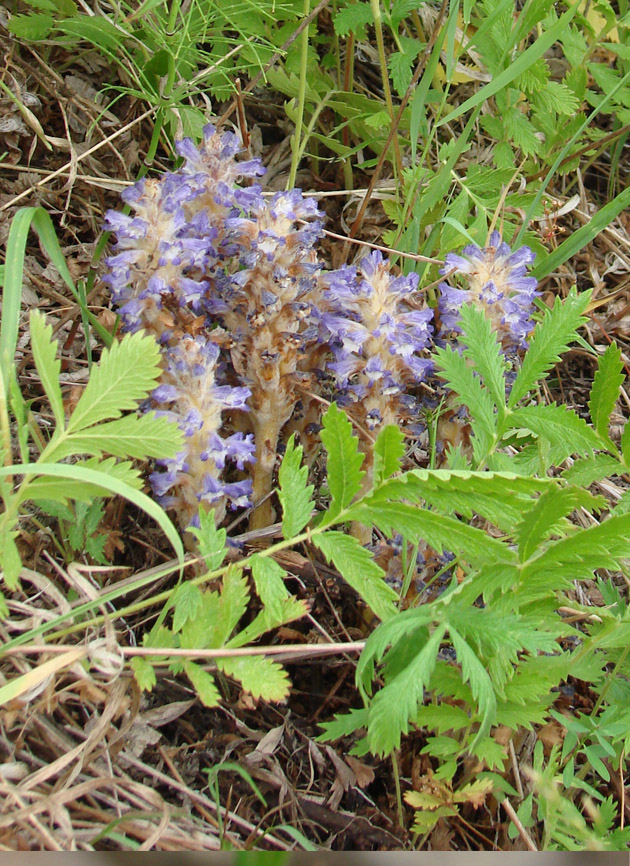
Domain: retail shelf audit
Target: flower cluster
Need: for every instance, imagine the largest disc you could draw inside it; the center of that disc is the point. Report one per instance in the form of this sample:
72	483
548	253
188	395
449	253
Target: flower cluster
230	284
495	279
167	257
377	337
188	394
264	299
167	251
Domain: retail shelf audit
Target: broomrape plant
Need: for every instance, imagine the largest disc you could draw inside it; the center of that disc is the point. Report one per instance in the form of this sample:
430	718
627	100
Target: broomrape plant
232	323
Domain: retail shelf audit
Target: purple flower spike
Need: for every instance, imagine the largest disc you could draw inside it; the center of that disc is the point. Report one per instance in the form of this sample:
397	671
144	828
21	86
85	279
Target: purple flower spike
376	337
494	279
188	394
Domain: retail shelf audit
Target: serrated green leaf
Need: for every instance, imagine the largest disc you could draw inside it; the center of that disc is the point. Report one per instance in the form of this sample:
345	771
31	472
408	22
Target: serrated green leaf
124	376
343	470
269	579
556	96
562	427
389	450
211	540
545	518
474	672
95	547
400	68
144	673
598	546
290	610
352	19
294	494
343	726
397	703
203	683
56	509
587	470
521	131
470	392
483	349
442	718
232	605
357	568
440	532
47	363
623	504
33	27
139	436
500	497
605	391
260	676
186	602
551	338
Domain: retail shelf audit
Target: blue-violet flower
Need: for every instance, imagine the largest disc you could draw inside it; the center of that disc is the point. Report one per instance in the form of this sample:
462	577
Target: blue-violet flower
494	278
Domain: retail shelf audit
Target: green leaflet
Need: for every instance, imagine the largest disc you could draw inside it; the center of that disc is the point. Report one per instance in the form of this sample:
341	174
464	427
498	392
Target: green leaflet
598	546
547	517
260	676
139	436
47	363
269	580
474	672
210	539
344	461
551	337
393	707
295	495
442	533
471	392
500	497
203	683
605	391
359	570
187	602
125	375
389	449
625	443
343	726
593	468
561	427
482	347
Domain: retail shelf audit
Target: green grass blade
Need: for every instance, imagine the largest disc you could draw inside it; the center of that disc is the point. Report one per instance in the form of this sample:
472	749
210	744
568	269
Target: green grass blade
12	289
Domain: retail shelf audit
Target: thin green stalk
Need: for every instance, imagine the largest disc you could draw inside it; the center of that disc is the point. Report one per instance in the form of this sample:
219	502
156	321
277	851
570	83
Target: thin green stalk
295	142
380	44
348	86
399	805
